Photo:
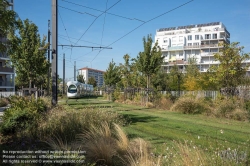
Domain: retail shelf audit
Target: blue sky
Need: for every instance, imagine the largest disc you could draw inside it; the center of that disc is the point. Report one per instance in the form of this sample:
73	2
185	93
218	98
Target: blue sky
112	29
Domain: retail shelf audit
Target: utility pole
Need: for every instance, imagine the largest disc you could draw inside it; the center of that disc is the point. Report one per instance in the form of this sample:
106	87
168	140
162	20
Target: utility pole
54	50
48	83
63	74
75	71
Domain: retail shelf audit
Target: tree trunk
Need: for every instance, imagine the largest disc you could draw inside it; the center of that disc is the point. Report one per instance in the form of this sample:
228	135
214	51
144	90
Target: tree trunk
30	87
147	87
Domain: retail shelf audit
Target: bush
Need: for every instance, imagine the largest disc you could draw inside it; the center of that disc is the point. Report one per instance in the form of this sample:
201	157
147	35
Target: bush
22	116
190	105
231	108
4	102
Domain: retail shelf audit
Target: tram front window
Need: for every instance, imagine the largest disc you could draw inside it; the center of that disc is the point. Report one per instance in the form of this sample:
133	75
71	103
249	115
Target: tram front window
72	89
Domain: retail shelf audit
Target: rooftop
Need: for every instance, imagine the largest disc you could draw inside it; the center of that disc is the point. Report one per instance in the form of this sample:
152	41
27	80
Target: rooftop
189	26
86	68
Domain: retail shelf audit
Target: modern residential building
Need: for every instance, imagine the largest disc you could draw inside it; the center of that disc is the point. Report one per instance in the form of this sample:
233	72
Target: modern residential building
97	74
7	75
199	41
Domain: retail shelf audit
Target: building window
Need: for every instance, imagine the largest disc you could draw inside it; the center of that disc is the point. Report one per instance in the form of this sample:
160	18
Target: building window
196	44
207	36
181	38
197	52
174	39
189	44
165	40
215	36
196	37
181	53
189	37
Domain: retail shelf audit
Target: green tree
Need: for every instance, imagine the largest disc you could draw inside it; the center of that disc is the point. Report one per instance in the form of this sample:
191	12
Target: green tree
137	78
30	63
175	79
192	76
92	81
80	78
7	23
112	74
230	72
126	71
149	61
159	80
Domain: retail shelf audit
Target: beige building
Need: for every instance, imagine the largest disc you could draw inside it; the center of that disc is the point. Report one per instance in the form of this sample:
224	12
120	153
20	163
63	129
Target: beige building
97	74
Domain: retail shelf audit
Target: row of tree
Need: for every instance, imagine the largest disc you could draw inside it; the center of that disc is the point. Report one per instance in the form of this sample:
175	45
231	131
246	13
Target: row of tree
22	46
146	71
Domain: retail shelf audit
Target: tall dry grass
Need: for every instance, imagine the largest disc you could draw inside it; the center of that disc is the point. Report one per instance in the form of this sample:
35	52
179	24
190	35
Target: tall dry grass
108	145
231	108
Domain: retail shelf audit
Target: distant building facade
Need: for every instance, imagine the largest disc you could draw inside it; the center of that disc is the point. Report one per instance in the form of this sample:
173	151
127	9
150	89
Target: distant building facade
7	75
199	42
97	74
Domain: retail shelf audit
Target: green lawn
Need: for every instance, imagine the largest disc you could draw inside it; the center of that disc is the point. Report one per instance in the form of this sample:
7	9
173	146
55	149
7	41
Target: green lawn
161	127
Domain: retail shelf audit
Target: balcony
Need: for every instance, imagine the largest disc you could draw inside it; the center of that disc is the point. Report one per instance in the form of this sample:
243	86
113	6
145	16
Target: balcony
210	62
10	1
209	46
175	48
207	54
177	62
4	56
192	47
6	69
6	83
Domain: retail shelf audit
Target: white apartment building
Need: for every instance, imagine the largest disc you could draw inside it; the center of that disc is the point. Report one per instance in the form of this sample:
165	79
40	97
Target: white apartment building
7	75
97	74
199	41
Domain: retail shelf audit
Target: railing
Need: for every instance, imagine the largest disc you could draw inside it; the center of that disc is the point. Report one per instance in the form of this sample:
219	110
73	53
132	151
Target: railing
210	94
4	56
193	46
6	83
8	94
175	48
209	45
210	62
6	69
10	1
208	54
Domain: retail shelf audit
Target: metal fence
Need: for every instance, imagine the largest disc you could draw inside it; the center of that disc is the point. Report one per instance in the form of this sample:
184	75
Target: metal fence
210	94
8	94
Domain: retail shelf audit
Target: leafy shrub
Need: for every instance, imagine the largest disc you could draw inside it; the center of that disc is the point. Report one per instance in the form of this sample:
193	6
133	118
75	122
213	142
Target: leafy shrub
190	105
22	116
4	102
231	108
118	96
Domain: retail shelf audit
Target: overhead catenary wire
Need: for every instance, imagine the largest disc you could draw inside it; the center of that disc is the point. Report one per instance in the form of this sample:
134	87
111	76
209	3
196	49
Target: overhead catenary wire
104	22
66	32
124	17
62	36
76	11
96	19
143	24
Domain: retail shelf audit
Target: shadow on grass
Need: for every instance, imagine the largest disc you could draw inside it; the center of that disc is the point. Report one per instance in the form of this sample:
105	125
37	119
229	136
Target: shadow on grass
86	101
136	118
